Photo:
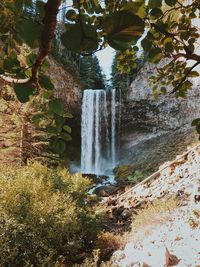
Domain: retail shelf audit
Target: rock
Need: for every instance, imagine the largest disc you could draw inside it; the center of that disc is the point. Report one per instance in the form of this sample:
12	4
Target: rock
117	211
126	214
171	260
94	177
122	172
105	190
197	198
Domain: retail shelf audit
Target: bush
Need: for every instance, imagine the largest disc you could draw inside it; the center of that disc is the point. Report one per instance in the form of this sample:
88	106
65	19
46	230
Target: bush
108	242
43	216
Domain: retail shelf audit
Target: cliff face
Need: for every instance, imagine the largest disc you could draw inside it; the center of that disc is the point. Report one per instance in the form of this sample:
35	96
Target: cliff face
151	129
66	87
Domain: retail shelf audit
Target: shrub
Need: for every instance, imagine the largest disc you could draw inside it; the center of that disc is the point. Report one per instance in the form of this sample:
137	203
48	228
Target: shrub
44	218
108	242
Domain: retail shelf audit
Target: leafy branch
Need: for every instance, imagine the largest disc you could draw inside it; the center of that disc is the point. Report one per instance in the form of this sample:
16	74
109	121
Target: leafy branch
49	21
184	78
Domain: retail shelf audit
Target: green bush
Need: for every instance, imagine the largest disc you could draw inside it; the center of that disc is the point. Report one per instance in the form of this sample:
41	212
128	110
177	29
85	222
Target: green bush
44	219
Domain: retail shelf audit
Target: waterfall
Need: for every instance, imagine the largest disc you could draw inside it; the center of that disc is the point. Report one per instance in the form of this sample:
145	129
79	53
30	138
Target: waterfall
98	131
113	127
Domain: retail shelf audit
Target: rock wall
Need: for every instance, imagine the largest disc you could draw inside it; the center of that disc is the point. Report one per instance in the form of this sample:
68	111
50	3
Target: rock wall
151	129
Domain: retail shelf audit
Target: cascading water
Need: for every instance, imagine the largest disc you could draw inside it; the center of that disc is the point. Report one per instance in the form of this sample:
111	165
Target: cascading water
98	132
113	127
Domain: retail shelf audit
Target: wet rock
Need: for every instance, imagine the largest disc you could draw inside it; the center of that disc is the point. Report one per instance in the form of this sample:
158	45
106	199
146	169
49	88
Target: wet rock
105	190
94	177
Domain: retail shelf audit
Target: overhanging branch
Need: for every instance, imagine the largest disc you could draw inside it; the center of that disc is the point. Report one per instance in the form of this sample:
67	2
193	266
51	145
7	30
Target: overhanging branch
48	33
13	80
50	20
184	78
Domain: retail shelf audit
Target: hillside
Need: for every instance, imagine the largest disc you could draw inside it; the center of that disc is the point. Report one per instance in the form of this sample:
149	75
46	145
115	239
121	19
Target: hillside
166	216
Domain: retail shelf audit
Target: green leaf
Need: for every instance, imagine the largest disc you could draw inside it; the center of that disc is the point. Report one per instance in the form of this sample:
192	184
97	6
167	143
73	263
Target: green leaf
45	65
169	47
52	130
37	118
191	48
71	15
146	44
40	8
155	55
66	137
163	90
123	29
196	122
80	38
31	58
29	32
155	92
137	7
96	6
67	128
59	123
193	74
68	115
187	85
156	12
45	82
24	91
59	146
170	2
11	64
198	128
57	106
154	3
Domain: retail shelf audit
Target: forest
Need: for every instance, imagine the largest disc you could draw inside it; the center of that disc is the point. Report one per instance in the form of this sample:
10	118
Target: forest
99	169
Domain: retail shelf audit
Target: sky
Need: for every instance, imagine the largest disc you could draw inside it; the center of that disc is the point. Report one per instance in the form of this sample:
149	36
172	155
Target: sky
105	57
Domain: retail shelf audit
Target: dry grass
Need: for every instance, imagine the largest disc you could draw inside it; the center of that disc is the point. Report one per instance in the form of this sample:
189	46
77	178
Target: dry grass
108	242
154	214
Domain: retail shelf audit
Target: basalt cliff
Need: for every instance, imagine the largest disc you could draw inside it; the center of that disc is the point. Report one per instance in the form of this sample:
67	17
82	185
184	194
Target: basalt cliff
153	131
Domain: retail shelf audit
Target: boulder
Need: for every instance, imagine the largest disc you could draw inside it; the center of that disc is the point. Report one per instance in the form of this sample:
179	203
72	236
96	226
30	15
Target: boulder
105	190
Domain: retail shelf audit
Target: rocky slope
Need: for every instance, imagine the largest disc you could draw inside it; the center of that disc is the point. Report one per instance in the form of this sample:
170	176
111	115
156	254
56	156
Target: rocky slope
167	237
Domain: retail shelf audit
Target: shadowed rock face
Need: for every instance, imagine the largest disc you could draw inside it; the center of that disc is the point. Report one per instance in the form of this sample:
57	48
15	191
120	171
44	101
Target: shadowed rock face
153	131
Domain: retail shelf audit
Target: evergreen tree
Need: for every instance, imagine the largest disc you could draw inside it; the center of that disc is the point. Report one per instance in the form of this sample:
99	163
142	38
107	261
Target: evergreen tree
91	73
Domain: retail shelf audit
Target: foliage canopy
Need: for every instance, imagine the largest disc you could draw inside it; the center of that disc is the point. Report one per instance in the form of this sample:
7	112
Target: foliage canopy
163	28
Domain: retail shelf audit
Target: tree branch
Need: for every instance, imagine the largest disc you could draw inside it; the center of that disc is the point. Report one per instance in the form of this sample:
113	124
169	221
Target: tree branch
50	20
48	33
184	78
13	80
